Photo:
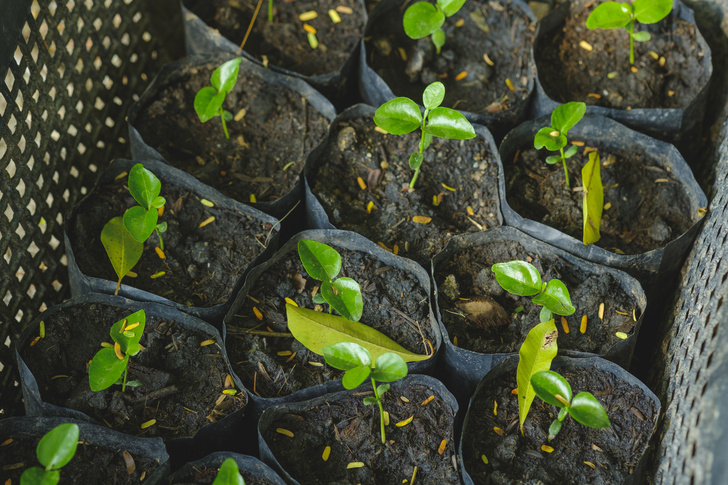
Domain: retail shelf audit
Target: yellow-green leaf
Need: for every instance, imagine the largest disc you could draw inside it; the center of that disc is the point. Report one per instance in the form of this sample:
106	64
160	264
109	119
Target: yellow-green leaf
123	250
317	330
593	201
535	355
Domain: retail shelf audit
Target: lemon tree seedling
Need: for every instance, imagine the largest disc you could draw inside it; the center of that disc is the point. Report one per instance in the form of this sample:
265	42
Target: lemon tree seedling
209	100
553	137
228	474
141	220
55	449
111	362
423	18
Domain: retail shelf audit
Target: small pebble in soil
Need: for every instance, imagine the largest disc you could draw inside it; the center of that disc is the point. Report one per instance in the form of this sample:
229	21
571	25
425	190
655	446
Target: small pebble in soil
506	450
346	138
659	231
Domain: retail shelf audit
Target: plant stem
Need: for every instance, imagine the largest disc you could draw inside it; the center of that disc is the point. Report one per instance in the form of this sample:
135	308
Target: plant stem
270	10
161	242
224	126
630	29
566	172
381	411
123	384
422	149
250	26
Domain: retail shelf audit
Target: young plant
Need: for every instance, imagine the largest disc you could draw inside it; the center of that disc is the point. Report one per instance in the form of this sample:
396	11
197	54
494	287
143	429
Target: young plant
322	262
402	115
423	18
584	407
523	279
357	362
615	15
111	362
553	137
534	356
209	100
228	474
141	220
55	449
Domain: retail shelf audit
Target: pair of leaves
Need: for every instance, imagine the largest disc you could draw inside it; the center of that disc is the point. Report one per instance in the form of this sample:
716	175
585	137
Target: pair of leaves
563	119
106	368
322	262
523	279
229	474
423	18
208	100
614	15
145	187
357	362
535	355
593	199
55	449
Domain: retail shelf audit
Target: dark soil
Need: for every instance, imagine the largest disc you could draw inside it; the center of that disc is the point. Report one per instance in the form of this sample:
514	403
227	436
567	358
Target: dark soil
284	42
496	29
467	277
645	206
207	475
272	366
202	264
181	380
267	146
351	429
569	72
514	458
90	464
356	149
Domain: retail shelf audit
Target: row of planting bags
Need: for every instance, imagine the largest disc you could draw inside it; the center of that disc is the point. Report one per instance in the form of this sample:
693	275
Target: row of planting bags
219	369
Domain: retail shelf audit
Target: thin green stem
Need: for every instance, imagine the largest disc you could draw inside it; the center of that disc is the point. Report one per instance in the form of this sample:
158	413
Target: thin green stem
381	411
123	384
422	149
566	171
161	242
630	30
224	126
270	10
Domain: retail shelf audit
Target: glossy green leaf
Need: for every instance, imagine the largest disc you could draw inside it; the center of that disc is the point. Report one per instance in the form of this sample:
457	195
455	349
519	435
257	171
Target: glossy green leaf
346	355
438	39
144	186
518	277
433	95
398	116
555	297
535	355
415	160
609	15
128	340
159	202
565	116
389	368
571	151
354	377
641	36
554	428
382	388
318	299
593	198
651	11
588	411
421	19
38	476
105	369
140	222
208	103
321	261
548	384
369	400
58	446
123	250
229	474
317	330
426	140
545	315
553	159
450	124
162	226
344	295
450	7
226	75
552	139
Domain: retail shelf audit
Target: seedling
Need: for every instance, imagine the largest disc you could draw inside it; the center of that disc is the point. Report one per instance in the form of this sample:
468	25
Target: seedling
55	449
423	18
141	220
553	137
357	362
111	362
228	474
322	262
209	100
523	279
615	15
584	407
534	356
402	115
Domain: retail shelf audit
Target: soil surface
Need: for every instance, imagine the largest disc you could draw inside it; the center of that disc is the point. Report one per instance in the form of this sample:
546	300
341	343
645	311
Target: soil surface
90	464
644	205
284	42
207	475
201	265
462	175
467	288
181	380
351	430
580	454
496	29
569	72
277	365
273	131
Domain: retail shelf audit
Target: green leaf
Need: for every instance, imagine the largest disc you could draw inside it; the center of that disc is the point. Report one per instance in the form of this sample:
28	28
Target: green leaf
228	474
58	446
553	159
317	330
565	116
123	250
426	140
421	19
535	355
433	95
554	428
556	298
593	199
128	340
550	138
398	116
162	226
346	356
588	411
641	36
318	299
140	222
651	11
208	103
344	295
105	369
226	75
382	388
415	160
548	384
609	15
438	39
518	277
38	476
227	115
450	124
389	368
321	261
354	377
545	315
369	400
144	186
450	7
159	202
571	151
